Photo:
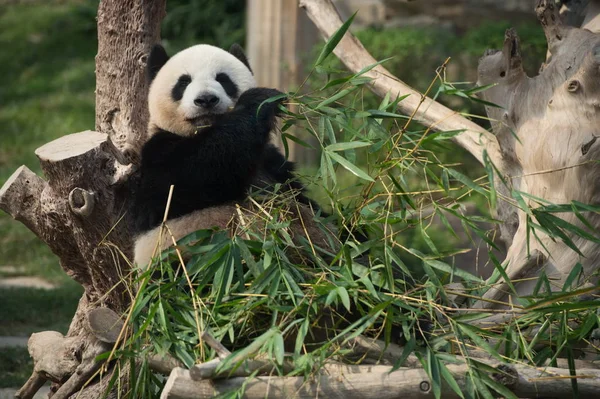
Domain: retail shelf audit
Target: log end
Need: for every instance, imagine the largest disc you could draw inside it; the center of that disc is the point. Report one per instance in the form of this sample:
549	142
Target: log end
177	379
20	196
71	146
19	176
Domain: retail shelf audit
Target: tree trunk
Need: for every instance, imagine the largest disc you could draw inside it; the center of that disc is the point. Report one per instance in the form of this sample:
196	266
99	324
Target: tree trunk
126	31
80	211
553	155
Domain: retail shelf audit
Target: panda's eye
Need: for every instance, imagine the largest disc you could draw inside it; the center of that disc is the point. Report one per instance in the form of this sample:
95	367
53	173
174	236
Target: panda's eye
179	88
230	88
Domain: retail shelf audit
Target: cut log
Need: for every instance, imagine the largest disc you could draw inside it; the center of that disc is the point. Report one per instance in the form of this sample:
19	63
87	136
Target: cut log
20	197
344	381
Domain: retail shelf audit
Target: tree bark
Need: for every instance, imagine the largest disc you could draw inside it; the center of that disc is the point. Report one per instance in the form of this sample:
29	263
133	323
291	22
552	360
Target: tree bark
80	212
126	31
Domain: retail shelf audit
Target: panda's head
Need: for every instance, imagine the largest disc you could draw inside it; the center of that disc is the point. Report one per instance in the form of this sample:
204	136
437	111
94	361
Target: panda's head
190	88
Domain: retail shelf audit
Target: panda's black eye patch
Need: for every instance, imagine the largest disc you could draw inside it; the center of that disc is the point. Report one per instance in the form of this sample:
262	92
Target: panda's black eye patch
230	88
179	88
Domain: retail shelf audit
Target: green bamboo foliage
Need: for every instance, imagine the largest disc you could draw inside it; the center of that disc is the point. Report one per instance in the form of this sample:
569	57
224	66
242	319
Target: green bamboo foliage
263	294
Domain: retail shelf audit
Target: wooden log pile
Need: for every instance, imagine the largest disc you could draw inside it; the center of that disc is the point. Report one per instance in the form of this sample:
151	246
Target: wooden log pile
337	380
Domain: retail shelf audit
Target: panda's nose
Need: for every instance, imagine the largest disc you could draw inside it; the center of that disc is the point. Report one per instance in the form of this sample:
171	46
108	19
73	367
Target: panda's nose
207	101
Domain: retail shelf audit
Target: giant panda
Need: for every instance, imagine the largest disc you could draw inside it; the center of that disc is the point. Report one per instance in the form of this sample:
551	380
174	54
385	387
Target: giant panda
208	135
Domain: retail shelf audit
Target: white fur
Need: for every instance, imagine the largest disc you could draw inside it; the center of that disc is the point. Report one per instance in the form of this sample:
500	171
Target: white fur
147	244
202	62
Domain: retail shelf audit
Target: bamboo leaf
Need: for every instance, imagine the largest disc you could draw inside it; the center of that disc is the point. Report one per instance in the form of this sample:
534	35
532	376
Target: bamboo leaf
450	380
347	146
343	294
466	181
278	347
474	334
355	170
433	369
339	95
334	40
436	264
385	114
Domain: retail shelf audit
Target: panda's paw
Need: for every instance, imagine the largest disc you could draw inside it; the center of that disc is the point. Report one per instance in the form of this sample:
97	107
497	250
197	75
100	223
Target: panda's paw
262	100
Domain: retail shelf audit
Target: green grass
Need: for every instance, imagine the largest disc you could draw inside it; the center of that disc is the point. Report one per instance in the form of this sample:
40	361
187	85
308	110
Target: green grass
46	91
15	367
28	310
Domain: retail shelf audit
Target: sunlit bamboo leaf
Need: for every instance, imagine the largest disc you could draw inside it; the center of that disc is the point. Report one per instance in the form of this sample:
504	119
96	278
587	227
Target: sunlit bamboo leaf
334	40
350	167
339	95
433	369
346	146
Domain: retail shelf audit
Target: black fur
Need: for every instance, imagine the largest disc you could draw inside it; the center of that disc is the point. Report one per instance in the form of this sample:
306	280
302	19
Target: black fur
230	88
215	166
276	169
156	59
180	86
238	52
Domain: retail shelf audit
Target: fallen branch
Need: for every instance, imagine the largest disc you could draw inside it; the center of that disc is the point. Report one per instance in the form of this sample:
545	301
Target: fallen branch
212	369
351	52
163	364
350	381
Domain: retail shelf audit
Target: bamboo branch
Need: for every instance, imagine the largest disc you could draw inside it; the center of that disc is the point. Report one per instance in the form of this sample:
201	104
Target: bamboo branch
222	351
351	52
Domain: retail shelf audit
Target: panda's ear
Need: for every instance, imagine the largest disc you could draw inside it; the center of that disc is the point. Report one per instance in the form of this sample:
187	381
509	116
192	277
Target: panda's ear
238	52
157	58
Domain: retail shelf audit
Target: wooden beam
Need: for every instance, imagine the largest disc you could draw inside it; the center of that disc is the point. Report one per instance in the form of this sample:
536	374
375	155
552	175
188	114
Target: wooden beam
279	36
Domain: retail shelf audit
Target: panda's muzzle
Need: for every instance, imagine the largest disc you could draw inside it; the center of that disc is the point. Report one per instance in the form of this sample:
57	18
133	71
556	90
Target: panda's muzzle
207	101
201	120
